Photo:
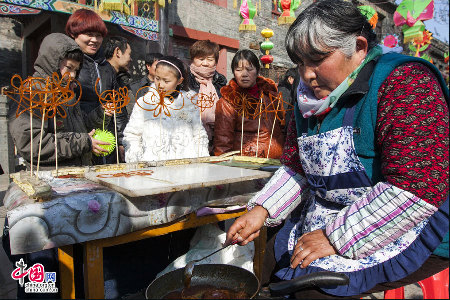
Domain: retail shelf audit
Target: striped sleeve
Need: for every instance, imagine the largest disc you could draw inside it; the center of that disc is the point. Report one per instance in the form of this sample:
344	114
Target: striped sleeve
377	219
280	195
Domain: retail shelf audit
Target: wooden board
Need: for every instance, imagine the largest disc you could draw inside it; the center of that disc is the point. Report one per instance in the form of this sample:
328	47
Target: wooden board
167	179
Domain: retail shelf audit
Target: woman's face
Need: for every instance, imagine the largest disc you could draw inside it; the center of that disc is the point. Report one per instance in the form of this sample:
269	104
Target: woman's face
245	74
205	61
324	74
165	78
89	42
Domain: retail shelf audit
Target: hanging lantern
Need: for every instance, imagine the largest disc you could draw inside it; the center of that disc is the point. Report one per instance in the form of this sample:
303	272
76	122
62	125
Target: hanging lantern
411	33
267	46
370	13
421	44
247	11
288	7
410	11
116	5
390	44
410	14
390	41
267	60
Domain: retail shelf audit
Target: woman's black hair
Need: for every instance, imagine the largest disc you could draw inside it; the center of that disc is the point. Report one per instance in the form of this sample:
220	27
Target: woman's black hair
181	67
289	73
338	14
247	55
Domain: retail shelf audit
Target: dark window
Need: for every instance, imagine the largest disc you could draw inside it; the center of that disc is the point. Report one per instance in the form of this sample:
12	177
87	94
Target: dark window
146	9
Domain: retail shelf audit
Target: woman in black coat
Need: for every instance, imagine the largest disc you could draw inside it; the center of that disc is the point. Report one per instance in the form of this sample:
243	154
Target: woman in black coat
88	31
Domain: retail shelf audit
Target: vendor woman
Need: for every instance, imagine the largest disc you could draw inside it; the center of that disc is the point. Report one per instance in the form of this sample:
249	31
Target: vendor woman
364	184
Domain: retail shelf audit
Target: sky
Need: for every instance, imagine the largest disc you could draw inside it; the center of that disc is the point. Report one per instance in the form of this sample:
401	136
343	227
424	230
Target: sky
439	25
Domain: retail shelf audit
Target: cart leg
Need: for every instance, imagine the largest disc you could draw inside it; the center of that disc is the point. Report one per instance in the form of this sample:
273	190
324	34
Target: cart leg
66	271
260	249
93	271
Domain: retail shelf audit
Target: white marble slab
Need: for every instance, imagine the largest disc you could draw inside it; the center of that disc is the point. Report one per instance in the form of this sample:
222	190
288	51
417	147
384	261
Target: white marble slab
167	179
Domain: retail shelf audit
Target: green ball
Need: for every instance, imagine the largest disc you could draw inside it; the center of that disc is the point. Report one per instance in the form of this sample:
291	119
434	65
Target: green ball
105	136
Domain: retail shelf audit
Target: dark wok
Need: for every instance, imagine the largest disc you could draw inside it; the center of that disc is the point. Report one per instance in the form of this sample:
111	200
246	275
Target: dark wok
238	279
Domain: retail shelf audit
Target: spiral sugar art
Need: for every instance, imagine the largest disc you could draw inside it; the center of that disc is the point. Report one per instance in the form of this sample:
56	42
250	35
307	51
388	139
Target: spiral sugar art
246	106
254	108
47	95
43	98
113	99
203	101
160	102
278	106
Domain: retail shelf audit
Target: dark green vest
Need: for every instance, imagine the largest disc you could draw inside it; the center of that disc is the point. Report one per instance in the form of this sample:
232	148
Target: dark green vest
365	116
365	120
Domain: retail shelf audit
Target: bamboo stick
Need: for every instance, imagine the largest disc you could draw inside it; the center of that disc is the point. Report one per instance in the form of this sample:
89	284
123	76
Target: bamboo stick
259	125
40	138
56	145
273	127
31	131
115	132
242	131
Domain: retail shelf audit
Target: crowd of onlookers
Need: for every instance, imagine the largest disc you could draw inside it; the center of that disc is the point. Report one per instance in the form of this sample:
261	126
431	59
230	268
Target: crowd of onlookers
214	123
189	127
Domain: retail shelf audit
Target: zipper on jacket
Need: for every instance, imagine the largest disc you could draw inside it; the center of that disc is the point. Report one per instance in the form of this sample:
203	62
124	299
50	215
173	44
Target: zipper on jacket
98	76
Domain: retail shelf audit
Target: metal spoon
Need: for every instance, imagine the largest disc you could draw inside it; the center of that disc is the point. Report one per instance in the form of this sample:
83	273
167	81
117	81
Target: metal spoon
189	268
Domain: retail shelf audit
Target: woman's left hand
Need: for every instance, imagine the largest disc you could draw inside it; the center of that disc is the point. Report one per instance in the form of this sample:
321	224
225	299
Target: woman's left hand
311	246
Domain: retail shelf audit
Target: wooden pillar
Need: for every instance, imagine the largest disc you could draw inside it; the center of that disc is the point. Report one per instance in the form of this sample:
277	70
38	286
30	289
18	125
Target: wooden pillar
164	28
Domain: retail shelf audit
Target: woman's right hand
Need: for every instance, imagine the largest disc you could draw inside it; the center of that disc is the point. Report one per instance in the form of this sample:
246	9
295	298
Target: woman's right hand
96	144
246	228
109	109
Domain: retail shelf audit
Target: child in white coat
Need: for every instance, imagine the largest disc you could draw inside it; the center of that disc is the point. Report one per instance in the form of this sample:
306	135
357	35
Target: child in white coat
170	128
